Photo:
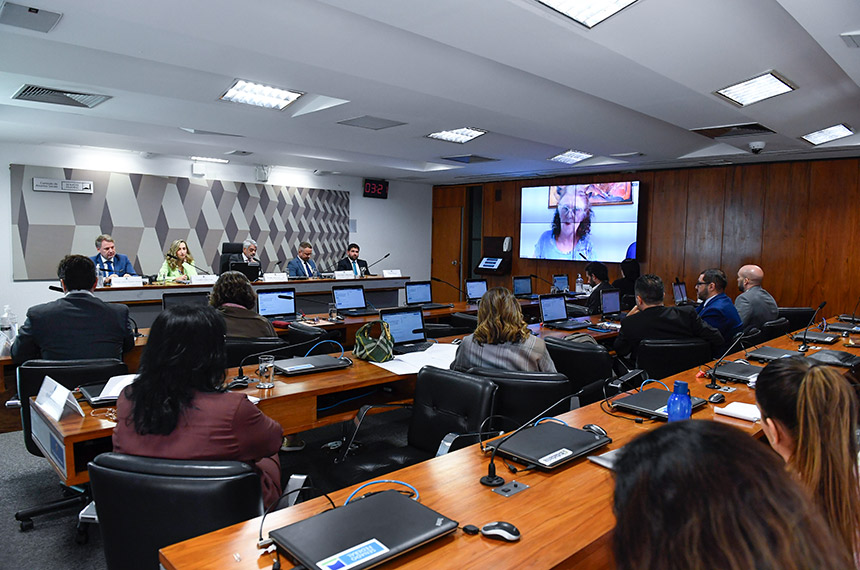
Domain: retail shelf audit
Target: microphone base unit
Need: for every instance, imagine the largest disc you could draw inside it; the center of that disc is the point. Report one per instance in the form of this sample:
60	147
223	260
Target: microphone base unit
492	481
802	348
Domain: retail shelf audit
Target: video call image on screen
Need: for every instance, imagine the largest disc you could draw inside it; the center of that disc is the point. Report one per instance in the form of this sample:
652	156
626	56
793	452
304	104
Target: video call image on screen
349	298
578	222
522	285
271	304
418	293
476	289
402	323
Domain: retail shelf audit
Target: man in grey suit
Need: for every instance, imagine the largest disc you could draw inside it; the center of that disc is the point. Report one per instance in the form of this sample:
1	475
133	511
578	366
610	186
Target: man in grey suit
77	326
755	305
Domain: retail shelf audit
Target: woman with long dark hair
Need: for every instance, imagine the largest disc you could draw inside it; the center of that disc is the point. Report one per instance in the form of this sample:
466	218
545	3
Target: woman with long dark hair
700	494
809	415
176	408
502	339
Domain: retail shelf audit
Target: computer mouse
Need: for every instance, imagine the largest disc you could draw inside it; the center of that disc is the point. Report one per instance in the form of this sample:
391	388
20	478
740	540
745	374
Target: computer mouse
501	530
717	398
595	429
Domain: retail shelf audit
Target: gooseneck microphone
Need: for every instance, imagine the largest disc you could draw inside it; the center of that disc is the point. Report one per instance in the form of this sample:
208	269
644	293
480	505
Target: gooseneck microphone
551	285
436	279
853	318
200	269
804	347
366	270
712	374
582	255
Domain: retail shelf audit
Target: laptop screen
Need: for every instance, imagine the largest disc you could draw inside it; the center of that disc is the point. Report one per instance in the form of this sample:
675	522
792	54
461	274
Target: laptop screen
418	292
552	308
560	282
348	297
679	290
271	305
475	288
173	299
610	300
402	323
522	285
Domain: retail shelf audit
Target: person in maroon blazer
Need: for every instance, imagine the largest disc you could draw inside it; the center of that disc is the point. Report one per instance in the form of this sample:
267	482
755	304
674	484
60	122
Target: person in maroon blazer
176	408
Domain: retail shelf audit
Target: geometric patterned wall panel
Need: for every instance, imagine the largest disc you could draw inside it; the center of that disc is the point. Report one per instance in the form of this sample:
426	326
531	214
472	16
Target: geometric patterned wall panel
145	213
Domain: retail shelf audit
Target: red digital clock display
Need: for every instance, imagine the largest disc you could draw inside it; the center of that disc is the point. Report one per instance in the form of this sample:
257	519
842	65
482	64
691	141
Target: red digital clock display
376	188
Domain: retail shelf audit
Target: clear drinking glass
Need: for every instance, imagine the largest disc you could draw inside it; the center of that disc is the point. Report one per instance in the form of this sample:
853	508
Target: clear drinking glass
266	372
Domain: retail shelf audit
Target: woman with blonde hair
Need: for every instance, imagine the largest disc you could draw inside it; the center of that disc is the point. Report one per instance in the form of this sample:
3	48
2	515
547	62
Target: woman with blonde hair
502	339
178	264
809	415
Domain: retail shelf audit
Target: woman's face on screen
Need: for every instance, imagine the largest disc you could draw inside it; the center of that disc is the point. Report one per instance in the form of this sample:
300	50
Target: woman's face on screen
572	208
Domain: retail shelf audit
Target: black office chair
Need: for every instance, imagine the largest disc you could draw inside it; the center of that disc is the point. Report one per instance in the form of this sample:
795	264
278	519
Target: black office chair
145	503
228	248
445	402
522	395
576	310
304	337
662	358
798	317
70	374
776	328
240	348
585	364
464	321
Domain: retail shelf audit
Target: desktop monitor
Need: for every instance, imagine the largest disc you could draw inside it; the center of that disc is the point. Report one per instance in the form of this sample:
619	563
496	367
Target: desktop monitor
271	304
560	282
522	285
418	292
173	299
475	289
348	297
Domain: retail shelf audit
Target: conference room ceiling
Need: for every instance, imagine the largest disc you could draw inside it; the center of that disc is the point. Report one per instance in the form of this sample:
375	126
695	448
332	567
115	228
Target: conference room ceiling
629	91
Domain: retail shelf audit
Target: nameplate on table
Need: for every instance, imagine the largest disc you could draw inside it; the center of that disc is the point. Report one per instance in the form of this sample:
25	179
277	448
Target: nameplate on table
56	400
275	277
391	273
203	279
348	274
126	281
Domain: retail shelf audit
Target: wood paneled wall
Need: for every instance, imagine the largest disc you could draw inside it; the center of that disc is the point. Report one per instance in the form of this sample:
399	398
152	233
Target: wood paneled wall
800	221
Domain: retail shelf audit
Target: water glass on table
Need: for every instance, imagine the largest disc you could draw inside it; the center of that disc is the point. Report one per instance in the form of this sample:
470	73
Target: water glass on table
266	372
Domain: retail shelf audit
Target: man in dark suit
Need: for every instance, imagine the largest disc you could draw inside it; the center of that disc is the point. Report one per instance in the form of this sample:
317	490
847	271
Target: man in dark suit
717	309
649	319
303	265
352	263
598	277
248	255
108	261
77	326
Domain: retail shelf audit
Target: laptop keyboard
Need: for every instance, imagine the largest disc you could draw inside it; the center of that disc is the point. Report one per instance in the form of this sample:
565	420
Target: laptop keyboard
407	348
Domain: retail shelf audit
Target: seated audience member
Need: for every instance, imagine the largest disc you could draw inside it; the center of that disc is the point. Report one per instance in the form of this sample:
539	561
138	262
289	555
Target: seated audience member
809	415
649	319
502	339
597	276
108	261
303	265
700	494
236	300
77	326
178	264
352	263
755	306
717	309
176	408
629	274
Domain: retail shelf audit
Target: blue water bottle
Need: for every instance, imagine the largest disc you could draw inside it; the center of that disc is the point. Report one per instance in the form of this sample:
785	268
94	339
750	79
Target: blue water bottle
679	407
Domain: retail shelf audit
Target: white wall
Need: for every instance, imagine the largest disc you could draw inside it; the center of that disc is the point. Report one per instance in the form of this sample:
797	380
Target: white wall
400	225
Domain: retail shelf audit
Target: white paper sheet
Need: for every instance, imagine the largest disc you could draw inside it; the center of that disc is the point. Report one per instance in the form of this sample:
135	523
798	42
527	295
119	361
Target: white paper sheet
439	355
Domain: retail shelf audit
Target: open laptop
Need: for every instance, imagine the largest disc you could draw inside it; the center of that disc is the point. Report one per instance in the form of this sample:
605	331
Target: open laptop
475	289
550	444
561	282
403	322
523	287
679	291
349	300
651	403
272	305
420	293
610	303
361	534
173	299
553	314
250	270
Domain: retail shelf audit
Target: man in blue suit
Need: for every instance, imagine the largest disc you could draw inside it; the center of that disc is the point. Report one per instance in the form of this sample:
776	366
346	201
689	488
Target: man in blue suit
303	265
717	309
108	261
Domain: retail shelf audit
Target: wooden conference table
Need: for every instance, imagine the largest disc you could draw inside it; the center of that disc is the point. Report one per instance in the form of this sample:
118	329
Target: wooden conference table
565	516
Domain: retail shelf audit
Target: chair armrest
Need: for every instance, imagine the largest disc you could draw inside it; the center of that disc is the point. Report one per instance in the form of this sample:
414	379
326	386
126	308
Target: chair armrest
13	403
449	440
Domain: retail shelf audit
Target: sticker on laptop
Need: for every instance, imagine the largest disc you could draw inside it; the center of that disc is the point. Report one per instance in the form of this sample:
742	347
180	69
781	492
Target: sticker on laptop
298	367
662	409
555	456
354	556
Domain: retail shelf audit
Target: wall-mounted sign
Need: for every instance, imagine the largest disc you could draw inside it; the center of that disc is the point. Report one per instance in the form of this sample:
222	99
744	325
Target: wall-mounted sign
72	186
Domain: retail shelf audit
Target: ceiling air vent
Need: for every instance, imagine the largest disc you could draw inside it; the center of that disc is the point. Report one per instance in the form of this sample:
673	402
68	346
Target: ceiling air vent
470	158
728	131
28	17
371	122
239	153
57	97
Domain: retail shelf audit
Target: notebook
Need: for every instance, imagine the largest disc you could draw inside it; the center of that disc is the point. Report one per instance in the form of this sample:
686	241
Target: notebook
272	305
549	444
651	403
475	289
553	314
307	364
419	293
403	322
349	300
523	287
362	534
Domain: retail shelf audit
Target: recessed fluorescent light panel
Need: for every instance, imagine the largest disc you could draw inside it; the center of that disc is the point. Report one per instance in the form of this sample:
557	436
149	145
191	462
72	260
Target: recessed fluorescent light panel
209	159
756	89
260	95
589	13
828	134
571	157
461	136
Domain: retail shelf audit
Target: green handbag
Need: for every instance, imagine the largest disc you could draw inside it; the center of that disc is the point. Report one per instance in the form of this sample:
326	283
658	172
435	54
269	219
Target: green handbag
374	349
